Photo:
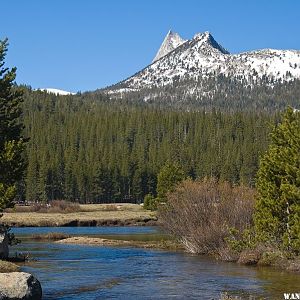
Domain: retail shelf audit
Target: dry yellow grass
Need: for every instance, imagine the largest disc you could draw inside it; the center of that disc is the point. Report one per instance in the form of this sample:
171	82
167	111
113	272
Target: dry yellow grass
112	207
91	214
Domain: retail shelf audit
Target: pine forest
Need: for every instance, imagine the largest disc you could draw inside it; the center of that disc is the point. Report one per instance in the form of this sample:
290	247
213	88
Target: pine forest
89	149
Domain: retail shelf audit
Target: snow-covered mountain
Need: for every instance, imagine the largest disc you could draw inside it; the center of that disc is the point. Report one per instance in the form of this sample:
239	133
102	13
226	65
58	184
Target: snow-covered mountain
202	58
171	42
56	91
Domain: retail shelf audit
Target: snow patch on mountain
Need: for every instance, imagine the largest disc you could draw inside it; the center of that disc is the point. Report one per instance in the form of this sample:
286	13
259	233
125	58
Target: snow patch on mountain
56	91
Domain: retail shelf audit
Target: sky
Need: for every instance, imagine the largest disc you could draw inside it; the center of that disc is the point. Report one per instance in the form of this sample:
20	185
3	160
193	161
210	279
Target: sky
82	45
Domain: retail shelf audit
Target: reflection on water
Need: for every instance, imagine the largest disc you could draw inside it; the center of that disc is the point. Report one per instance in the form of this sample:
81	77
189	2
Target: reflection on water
91	272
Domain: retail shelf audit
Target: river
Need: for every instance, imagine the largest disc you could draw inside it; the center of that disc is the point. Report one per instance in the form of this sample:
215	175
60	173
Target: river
93	272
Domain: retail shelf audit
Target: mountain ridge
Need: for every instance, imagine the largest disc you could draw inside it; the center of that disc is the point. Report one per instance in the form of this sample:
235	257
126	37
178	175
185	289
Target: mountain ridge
203	57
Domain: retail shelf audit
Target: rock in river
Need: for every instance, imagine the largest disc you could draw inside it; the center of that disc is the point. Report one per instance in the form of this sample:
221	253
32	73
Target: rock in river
19	285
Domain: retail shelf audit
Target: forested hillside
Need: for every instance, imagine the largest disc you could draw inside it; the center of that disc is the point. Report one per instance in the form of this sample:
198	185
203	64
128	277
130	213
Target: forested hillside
88	149
226	93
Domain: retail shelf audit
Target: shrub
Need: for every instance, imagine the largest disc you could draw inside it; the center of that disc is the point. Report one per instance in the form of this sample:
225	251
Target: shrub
239	241
201	213
62	206
150	202
110	207
18	208
50	236
55	206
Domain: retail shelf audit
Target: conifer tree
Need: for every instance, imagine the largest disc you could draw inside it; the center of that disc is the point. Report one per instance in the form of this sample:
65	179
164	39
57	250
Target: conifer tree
11	141
169	176
277	216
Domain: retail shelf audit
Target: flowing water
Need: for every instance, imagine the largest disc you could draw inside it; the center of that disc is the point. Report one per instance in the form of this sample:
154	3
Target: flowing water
93	272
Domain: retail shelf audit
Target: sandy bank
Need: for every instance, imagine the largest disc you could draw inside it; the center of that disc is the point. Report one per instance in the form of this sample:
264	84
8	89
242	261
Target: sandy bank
81	240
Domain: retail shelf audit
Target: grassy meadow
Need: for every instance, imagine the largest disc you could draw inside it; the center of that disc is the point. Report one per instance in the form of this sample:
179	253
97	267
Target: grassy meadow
83	215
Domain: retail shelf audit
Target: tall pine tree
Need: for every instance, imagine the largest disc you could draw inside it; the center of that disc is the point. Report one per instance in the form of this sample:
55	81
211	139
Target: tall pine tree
277	216
11	141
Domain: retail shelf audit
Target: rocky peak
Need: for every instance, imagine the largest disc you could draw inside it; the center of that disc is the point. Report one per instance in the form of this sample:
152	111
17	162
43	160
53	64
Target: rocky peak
207	39
170	42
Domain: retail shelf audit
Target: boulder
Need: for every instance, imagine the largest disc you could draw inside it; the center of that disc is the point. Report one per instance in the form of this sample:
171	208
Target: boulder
19	285
4	245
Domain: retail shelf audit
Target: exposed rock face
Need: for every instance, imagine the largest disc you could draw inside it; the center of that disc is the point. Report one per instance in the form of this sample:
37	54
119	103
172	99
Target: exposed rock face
4	251
19	285
171	42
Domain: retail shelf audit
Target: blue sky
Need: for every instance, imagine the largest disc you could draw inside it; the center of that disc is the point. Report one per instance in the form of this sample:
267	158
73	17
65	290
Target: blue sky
80	45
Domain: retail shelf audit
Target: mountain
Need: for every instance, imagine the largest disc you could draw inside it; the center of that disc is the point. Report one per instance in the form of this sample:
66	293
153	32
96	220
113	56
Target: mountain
200	68
56	91
171	42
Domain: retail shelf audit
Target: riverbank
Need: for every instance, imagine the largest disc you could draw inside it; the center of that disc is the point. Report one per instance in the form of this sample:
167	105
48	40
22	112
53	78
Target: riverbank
279	260
89	215
268	259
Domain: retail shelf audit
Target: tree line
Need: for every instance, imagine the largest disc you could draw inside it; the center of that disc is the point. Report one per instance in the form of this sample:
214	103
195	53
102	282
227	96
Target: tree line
88	148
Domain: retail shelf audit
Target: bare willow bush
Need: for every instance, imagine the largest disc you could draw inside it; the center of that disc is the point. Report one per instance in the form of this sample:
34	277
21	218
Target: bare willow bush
201	213
62	206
